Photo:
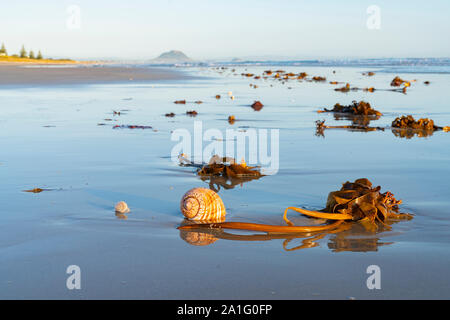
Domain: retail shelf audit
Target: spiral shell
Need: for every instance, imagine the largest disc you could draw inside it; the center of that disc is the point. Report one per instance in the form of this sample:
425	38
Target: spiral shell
122	207
201	204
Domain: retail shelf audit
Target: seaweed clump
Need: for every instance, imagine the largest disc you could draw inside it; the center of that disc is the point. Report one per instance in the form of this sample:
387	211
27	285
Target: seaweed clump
192	113
257	105
35	190
361	108
358	201
223	172
227	167
408	127
410	122
131	127
397	82
302	75
345	88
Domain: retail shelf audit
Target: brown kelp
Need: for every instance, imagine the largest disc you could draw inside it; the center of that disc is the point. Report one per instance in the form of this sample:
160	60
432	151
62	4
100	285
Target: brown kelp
345	88
192	113
397	82
131	126
360	108
227	167
408	127
403	127
223	172
37	190
355	201
410	123
257	105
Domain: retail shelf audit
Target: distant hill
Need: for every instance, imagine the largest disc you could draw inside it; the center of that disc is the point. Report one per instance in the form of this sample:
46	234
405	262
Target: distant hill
172	56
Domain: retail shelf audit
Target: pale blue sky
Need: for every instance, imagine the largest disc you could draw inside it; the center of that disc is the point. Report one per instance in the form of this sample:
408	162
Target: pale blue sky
203	29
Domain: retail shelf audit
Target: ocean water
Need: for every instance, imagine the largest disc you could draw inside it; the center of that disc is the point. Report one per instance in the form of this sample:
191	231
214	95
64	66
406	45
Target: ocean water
392	65
51	138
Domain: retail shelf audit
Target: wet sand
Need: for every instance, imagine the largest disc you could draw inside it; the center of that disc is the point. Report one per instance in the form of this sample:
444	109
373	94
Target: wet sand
72	74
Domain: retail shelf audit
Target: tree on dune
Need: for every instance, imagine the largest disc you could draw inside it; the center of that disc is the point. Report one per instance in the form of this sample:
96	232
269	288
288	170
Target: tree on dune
23	52
3	49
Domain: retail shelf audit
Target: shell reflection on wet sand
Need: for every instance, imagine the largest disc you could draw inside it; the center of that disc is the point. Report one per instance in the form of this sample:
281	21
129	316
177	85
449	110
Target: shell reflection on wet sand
121	216
197	238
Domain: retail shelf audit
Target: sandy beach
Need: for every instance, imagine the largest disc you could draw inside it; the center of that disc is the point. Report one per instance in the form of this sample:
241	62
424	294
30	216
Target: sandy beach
70	74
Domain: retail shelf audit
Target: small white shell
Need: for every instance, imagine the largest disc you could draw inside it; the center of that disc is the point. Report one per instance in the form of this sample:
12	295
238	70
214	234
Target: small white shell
122	207
201	204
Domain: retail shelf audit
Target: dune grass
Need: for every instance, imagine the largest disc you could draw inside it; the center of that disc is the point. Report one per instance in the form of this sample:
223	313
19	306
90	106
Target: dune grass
14	59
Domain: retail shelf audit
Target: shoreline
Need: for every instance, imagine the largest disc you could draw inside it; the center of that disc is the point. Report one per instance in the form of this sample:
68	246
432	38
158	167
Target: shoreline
10	60
23	74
